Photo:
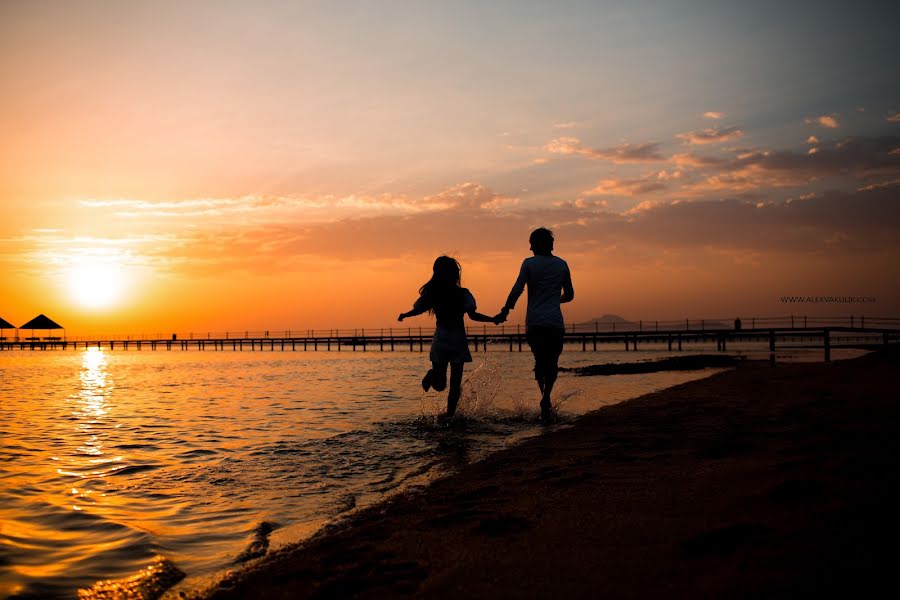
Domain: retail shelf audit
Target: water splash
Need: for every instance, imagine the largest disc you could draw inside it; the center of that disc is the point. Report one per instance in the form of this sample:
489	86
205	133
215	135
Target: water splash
476	401
529	410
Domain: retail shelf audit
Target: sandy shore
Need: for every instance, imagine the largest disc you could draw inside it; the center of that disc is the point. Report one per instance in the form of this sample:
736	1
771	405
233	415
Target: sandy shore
754	482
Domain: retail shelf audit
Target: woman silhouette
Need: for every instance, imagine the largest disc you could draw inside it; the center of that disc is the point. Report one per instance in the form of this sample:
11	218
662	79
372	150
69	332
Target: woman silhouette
448	302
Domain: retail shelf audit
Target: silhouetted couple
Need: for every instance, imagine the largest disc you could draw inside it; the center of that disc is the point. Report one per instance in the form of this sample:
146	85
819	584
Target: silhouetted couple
549	284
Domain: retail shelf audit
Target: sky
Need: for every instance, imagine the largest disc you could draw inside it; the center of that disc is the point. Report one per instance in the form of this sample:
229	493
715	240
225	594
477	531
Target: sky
221	165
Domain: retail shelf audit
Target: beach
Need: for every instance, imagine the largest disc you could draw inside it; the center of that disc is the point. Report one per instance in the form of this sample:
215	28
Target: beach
757	481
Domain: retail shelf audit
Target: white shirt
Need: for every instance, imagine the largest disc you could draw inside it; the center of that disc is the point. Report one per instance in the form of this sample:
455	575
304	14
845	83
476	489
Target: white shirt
546	277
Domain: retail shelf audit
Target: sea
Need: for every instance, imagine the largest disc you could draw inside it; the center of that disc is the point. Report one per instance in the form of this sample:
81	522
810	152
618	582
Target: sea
112	461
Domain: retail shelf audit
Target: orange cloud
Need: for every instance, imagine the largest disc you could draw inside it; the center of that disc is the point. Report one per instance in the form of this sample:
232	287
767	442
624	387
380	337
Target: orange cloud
829	121
710	114
711	135
652	182
623	153
894	118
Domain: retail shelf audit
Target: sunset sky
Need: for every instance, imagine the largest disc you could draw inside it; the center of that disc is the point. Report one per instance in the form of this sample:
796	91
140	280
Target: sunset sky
175	166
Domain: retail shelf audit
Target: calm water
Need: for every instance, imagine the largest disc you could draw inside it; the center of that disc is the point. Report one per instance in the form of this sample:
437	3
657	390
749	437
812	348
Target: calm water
110	459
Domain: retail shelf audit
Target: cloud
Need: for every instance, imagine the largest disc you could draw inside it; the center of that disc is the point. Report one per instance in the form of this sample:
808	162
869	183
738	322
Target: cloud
865	219
262	208
652	182
893	118
623	153
710	114
829	121
855	157
470	196
711	135
565	125
812	140
856	221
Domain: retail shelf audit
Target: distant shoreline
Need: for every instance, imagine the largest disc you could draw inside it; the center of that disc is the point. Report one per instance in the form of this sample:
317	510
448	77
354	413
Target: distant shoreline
754	481
673	363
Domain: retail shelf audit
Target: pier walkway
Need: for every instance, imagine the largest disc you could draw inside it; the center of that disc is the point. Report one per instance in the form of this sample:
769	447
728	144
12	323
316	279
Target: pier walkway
674	335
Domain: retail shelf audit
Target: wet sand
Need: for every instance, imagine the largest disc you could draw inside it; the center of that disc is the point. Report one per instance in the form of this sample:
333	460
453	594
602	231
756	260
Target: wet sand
754	482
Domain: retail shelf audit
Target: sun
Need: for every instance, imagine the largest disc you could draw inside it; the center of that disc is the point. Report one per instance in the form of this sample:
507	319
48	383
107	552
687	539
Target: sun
96	284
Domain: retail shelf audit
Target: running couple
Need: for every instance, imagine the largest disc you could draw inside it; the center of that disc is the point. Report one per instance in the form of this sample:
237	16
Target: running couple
549	284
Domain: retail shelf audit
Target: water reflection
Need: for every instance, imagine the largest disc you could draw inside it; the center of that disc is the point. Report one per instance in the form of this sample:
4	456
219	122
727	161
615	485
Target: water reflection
89	412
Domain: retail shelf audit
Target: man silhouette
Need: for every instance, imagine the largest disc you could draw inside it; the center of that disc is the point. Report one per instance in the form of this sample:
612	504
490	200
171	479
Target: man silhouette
549	284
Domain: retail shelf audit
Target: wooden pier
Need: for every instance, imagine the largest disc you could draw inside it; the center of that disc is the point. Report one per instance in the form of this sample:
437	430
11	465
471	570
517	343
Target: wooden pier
495	337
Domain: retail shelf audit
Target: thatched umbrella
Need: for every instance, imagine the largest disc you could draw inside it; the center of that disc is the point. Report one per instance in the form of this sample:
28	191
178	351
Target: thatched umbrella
42	322
4	324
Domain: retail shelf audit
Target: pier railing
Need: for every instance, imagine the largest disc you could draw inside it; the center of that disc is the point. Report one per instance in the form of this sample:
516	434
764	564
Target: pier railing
856	322
776	331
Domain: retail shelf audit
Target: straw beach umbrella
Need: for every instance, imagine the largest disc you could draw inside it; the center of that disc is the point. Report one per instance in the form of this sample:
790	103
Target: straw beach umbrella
4	324
42	322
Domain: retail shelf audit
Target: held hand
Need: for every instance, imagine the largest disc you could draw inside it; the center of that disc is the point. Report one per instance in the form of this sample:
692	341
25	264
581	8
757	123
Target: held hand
402	315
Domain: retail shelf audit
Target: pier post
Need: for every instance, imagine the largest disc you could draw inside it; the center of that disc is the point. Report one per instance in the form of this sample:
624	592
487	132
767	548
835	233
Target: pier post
670	341
626	342
381	340
583	343
884	338
421	343
634	343
679	342
826	341
771	340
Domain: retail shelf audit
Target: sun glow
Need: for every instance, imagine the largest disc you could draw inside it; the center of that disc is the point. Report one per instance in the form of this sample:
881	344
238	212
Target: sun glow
96	284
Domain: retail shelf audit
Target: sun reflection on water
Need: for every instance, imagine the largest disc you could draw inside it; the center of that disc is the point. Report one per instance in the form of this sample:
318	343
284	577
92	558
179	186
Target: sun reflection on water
89	411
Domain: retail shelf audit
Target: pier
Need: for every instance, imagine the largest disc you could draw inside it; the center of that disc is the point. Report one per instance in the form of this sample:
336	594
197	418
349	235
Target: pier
777	332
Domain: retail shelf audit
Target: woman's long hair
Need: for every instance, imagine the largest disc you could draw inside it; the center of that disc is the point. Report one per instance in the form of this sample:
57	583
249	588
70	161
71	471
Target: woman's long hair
443	289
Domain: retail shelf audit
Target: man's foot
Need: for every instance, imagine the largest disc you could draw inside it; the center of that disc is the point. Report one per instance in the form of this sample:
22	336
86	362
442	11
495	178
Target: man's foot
426	381
546	411
445	418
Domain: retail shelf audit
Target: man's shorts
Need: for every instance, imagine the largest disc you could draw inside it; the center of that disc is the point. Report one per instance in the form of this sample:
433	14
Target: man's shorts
546	345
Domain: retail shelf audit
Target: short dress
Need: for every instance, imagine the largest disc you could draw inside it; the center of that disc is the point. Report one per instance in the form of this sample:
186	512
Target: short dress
449	344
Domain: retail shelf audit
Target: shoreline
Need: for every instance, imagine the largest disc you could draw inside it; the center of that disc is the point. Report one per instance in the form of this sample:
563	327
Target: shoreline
751	481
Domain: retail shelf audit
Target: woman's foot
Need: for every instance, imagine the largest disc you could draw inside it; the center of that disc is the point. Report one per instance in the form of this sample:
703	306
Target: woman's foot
426	381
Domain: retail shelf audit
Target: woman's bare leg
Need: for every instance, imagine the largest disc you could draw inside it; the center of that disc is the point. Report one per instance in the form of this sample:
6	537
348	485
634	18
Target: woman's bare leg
438	376
456	373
